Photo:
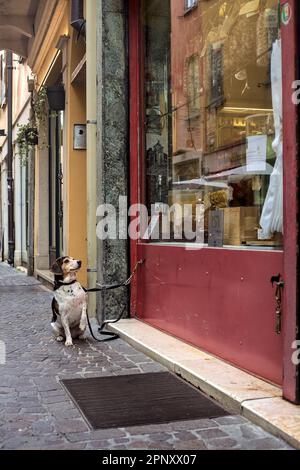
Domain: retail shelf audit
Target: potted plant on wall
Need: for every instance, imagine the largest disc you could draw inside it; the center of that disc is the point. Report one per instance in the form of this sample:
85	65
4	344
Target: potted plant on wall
31	135
27	139
34	132
56	97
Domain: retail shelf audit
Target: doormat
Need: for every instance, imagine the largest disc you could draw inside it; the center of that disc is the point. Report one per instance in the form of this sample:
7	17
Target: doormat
136	400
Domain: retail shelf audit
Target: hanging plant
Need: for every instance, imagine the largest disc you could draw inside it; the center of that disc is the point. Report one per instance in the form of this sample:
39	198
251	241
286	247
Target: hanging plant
27	139
35	132
32	135
40	109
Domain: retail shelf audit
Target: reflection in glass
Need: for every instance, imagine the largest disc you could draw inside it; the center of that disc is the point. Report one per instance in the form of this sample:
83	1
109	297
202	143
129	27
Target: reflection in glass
213	114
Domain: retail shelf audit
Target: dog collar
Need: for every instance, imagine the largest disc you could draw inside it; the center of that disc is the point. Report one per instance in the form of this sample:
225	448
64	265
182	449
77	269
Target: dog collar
67	283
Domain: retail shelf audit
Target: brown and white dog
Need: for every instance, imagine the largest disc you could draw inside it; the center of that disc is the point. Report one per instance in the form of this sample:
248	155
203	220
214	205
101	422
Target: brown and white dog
69	305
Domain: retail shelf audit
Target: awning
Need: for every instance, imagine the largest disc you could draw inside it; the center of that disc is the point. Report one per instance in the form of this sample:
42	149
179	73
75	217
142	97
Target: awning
201	182
237	174
17	24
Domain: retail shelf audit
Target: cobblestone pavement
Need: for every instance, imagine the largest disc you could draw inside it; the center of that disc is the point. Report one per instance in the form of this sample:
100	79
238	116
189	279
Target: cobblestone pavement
36	413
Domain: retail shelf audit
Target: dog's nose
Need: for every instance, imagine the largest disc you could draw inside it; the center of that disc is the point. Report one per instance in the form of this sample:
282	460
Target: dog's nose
79	263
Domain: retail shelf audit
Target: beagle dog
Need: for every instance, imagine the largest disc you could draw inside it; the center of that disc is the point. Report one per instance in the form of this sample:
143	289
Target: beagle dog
69	305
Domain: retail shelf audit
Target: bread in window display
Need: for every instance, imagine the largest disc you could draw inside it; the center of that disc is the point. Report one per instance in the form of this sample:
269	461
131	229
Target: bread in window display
220	199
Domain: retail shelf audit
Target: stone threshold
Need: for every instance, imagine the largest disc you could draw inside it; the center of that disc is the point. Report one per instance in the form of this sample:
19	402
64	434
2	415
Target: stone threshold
45	277
236	390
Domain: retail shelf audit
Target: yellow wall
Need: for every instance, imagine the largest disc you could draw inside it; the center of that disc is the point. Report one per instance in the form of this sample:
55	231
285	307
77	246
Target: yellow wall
77	192
77	182
59	27
75	179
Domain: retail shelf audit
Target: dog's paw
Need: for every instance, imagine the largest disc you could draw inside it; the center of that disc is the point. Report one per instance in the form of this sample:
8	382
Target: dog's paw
82	326
59	339
68	343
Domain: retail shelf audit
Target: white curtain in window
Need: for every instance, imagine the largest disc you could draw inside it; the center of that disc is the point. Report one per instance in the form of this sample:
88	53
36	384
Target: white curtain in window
272	214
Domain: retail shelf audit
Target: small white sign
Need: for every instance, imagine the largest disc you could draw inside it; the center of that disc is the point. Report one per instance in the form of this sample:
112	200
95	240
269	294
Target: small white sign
257	153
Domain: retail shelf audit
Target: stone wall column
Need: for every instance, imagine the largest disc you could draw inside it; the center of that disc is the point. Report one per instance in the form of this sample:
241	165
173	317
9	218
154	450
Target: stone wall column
42	210
112	144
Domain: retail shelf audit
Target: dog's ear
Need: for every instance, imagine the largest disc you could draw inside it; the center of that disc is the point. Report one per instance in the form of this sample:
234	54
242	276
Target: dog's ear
56	267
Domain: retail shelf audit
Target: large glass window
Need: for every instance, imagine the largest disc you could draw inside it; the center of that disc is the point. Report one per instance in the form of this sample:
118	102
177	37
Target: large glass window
213	117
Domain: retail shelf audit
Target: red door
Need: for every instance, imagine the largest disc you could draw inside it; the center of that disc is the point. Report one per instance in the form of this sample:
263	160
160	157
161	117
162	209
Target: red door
206	136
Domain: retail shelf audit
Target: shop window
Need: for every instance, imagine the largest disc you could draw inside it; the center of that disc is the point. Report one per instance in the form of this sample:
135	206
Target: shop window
213	116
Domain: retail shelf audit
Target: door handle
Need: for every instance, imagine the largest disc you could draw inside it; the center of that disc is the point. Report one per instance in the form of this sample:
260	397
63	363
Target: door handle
279	285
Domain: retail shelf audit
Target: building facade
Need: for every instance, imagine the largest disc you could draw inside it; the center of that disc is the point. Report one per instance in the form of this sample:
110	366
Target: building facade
212	128
54	60
60	165
186	104
20	115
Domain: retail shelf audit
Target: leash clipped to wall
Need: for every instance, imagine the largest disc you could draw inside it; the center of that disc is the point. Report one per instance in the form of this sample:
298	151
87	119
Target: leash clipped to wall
111	336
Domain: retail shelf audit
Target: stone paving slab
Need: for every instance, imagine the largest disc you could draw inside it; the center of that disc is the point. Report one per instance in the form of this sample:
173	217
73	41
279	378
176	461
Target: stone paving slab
280	417
36	413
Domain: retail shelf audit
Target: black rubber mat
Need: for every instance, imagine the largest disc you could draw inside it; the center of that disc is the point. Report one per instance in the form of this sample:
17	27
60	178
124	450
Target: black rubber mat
133	400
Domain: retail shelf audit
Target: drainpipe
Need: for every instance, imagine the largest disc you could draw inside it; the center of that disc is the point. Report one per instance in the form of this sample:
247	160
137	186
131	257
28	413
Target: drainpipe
31	202
91	111
10	182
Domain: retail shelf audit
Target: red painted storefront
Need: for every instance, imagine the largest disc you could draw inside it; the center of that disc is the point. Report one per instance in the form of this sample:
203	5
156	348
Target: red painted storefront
221	299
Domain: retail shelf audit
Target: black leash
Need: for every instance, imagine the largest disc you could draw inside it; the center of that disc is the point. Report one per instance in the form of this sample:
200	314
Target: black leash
111	336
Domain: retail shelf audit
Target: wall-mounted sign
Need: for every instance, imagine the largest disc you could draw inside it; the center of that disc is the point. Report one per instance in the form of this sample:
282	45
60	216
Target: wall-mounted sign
286	13
79	141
